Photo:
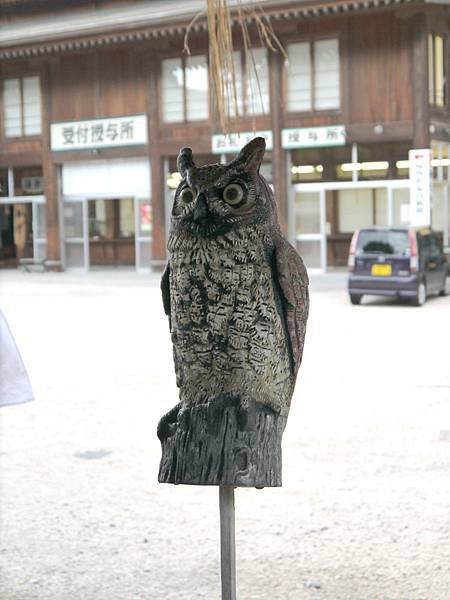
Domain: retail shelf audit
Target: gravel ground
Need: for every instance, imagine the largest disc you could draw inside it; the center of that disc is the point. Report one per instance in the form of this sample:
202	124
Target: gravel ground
364	510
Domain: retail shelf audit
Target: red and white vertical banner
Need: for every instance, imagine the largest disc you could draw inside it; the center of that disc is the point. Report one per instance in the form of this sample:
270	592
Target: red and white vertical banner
420	187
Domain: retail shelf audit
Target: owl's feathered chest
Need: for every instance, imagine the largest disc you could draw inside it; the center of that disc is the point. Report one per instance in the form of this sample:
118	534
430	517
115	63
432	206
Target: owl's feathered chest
208	275
227	329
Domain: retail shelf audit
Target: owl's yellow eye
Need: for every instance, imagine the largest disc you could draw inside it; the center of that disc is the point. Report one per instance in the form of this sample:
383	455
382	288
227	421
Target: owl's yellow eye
233	194
187	195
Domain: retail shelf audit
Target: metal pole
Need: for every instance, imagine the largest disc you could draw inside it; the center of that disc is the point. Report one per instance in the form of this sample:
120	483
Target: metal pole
355	174
227	543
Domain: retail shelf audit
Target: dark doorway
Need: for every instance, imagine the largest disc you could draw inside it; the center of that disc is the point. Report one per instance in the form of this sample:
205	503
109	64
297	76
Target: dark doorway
111	232
16	233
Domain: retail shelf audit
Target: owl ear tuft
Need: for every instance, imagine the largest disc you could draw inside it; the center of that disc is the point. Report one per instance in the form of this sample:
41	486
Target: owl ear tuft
252	154
185	161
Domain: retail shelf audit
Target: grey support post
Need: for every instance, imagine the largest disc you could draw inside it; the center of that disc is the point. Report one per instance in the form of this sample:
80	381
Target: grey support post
227	542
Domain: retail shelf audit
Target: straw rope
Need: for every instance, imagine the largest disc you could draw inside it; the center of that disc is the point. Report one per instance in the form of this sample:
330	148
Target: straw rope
222	71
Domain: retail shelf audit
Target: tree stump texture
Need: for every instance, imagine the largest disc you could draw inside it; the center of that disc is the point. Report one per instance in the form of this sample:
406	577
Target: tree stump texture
219	443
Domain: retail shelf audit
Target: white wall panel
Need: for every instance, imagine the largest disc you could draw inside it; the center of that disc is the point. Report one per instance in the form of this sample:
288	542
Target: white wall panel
355	209
107	178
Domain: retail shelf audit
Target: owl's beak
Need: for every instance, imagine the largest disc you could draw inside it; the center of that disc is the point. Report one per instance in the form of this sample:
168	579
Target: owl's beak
201	211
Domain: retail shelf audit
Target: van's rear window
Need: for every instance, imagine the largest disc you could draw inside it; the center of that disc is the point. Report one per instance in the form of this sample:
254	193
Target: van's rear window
383	242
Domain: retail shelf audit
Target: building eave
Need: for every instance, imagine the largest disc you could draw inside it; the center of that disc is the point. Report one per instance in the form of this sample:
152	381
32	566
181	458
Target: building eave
149	20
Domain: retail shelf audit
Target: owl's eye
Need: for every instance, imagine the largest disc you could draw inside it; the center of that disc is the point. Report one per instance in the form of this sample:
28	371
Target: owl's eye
233	194
187	195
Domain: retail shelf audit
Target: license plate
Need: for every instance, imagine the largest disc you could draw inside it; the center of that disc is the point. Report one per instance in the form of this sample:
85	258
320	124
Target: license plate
381	270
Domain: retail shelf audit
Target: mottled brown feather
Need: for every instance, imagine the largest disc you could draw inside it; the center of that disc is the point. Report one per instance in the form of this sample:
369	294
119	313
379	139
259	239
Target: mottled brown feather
165	289
293	280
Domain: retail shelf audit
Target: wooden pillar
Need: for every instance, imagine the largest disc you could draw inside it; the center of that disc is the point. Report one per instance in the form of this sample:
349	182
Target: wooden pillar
156	165
278	153
50	176
159	251
421	111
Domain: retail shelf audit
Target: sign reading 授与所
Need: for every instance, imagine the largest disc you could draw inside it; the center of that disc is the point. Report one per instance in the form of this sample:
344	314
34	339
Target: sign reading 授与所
130	130
310	137
420	187
234	142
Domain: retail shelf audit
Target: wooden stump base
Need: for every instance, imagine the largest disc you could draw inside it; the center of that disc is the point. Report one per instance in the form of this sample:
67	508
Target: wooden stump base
218	443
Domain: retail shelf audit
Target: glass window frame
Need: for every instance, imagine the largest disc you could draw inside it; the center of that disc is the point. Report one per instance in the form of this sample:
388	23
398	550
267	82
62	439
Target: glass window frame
312	72
248	95
184	63
247	68
165	87
22	134
306	44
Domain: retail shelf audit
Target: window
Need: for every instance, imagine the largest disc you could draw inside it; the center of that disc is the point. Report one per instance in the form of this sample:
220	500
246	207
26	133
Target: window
256	74
28	181
196	82
4	183
438	208
392	241
437	65
252	83
299	77
313	78
355	209
307	213
22	106
185	89
400	207
111	219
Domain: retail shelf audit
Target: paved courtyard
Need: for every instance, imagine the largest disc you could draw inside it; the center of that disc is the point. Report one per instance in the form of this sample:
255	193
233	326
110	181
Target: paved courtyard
364	512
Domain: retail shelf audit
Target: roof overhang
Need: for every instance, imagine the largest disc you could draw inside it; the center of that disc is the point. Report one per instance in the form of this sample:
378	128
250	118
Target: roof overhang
144	20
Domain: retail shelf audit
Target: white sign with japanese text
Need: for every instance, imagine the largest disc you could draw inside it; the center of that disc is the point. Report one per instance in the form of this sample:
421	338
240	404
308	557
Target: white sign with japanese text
130	130
420	187
233	142
311	137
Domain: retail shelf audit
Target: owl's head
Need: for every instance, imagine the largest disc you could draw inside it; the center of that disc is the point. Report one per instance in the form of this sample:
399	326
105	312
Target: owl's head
214	199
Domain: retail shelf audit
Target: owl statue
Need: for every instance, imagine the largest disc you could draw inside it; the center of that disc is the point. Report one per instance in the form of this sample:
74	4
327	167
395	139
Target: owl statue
236	295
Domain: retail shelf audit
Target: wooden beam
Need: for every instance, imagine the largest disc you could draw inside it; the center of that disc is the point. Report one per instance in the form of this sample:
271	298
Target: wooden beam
19	160
381	132
278	153
158	185
421	110
345	67
50	175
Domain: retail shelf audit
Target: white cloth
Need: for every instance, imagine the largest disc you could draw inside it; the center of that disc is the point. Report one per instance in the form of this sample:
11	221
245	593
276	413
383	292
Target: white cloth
15	387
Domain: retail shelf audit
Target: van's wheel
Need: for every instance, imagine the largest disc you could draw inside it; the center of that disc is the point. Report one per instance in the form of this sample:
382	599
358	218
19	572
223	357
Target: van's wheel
355	298
419	300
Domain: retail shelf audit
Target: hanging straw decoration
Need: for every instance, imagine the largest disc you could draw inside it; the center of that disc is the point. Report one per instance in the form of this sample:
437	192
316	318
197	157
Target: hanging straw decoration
222	70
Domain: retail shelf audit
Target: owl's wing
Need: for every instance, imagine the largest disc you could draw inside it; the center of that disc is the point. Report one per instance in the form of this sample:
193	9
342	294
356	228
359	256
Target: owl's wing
290	272
165	290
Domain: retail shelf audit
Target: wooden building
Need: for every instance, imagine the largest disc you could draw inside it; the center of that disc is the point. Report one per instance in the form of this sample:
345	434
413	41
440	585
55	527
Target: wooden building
97	96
